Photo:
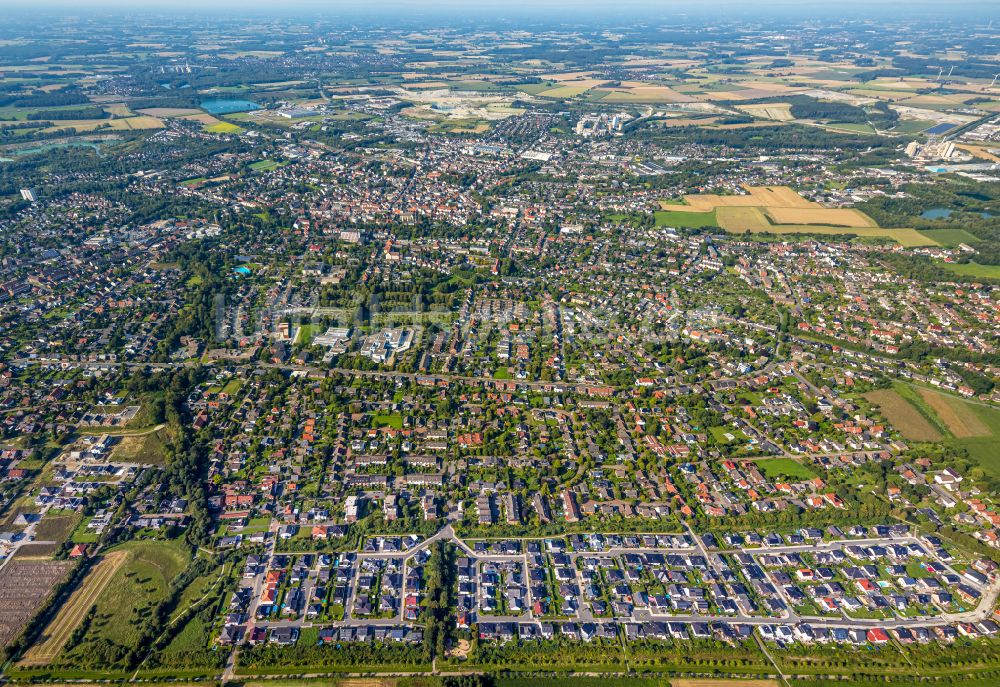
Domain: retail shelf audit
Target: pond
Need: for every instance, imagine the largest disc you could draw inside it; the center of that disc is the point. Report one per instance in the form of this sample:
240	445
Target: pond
228	106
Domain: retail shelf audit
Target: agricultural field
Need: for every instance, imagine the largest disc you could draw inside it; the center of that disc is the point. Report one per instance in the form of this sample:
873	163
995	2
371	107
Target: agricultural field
224	128
780	112
24	587
903	416
958	416
838	217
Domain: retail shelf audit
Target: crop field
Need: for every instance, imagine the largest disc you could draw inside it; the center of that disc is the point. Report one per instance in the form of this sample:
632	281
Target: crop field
720	682
138	123
957	416
24	587
72	612
223	128
838	217
634	92
757	196
737	220
571	89
903	416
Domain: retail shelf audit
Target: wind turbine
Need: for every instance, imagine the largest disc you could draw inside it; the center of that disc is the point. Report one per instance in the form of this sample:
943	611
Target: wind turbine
995	77
940	72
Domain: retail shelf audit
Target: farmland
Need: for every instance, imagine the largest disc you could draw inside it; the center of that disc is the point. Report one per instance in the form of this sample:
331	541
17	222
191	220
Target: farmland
24	587
902	415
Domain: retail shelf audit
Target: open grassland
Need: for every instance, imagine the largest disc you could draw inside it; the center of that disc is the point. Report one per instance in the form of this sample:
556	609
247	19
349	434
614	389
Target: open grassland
950	238
137	586
69	617
973	269
24	587
669	218
56	528
903	416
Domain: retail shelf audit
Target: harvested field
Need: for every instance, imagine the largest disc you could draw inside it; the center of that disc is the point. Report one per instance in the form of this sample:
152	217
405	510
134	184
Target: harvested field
757	196
777	111
838	217
637	92
72	612
37	551
24	587
957	415
571	89
737	220
903	416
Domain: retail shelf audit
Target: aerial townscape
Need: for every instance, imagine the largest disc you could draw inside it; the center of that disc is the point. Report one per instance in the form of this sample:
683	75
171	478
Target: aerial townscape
447	346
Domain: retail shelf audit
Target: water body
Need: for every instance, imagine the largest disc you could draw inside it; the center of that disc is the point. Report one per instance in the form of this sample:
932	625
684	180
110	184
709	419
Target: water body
945	213
242	270
228	106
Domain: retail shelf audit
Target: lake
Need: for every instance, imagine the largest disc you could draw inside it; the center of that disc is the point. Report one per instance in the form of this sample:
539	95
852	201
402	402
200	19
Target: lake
944	213
217	107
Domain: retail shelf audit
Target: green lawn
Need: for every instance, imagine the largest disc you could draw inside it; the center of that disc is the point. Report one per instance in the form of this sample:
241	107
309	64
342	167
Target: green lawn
394	420
776	468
